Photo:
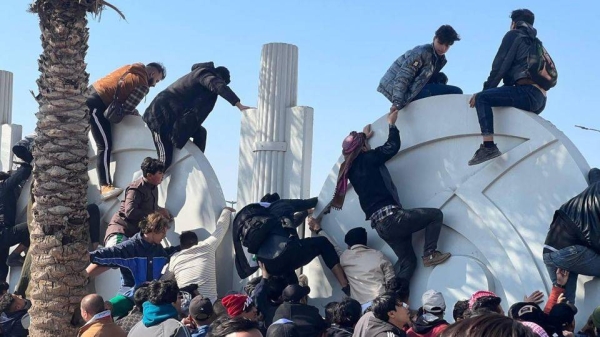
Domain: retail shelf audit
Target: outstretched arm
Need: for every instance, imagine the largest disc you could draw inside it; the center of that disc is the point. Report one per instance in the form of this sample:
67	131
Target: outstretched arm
223	224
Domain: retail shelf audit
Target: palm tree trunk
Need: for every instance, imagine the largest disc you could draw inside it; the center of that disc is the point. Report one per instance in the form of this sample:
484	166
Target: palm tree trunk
59	232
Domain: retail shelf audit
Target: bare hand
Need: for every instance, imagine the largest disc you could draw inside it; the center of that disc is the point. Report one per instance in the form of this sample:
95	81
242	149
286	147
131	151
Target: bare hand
231	209
535	297
562	276
263	269
561	298
392	117
566	333
472	101
393	108
313	224
367	131
243	107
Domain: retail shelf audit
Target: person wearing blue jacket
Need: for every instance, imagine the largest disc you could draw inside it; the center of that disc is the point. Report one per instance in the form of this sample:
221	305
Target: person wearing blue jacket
140	258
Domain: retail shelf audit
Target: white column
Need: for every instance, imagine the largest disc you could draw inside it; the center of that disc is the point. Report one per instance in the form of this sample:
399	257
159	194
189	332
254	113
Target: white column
6	89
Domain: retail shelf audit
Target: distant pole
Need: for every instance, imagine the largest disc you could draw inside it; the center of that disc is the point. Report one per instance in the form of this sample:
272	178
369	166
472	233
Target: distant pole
586	128
6	91
231	202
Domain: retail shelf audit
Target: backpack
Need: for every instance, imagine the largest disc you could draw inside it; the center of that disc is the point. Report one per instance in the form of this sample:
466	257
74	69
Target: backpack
255	226
540	67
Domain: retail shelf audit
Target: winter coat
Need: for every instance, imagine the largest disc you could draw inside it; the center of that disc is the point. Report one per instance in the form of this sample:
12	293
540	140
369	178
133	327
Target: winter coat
510	63
10	189
577	222
144	260
16	324
182	107
338	331
427	326
370	326
101	325
407	76
168	328
106	86
309	322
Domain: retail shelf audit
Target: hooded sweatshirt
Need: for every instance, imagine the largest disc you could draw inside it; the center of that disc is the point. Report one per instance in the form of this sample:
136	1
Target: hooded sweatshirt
427	325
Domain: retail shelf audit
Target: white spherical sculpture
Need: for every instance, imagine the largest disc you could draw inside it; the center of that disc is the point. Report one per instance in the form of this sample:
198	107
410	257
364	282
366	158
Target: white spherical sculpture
496	214
190	191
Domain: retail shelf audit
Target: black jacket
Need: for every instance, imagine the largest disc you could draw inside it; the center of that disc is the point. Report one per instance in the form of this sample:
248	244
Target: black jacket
10	189
577	222
338	331
183	106
371	179
309	322
379	328
510	63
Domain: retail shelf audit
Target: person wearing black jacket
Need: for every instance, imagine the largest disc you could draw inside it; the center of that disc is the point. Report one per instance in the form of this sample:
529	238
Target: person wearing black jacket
573	239
378	197
307	318
177	113
519	90
11	233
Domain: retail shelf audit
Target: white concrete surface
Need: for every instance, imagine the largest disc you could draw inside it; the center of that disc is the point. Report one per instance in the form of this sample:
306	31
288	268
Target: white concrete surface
6	90
190	191
496	214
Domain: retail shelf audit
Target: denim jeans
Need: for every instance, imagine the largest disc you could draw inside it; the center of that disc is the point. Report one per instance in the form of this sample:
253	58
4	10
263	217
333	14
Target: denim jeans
577	260
397	229
524	97
434	89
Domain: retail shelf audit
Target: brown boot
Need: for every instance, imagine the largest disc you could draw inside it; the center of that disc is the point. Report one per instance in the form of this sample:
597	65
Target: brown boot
435	258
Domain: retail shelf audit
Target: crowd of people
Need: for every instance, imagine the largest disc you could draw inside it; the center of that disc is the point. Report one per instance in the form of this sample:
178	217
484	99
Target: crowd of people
172	291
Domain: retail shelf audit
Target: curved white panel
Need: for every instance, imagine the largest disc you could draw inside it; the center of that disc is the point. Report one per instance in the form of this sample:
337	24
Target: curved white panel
496	214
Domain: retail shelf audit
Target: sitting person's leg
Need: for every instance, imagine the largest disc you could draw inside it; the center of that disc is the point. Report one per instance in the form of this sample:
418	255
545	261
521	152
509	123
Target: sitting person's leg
199	138
94	224
437	89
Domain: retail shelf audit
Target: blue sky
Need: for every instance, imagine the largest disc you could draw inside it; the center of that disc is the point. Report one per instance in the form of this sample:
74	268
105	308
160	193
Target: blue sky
345	47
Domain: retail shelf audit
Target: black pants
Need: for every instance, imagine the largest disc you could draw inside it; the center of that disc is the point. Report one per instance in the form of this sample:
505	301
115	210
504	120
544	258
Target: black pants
10	236
102	134
397	229
165	147
299	253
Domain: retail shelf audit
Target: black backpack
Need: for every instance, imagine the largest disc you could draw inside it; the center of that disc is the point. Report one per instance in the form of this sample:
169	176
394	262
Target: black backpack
540	66
255	226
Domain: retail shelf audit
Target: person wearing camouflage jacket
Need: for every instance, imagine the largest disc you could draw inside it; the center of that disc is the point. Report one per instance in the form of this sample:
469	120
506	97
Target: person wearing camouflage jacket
417	74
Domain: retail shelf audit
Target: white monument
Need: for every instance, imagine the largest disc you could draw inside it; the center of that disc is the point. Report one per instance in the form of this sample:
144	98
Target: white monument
496	214
9	133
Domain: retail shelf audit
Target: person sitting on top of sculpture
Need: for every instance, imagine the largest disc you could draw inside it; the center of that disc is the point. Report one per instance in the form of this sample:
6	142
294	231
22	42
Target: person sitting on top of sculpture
128	85
268	229
417	74
365	169
177	113
141	199
573	239
140	259
520	90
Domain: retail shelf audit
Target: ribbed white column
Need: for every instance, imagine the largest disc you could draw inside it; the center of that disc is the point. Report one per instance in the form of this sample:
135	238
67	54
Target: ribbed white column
6	91
278	91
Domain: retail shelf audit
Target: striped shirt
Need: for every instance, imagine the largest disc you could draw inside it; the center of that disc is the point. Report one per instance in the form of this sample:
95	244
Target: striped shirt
196	265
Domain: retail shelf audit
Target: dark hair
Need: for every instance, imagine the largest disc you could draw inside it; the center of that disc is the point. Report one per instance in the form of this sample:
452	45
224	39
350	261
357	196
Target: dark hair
152	166
356	236
447	35
159	67
486	304
4	286
153	223
223	73
219	309
400	286
188	239
459	309
251	285
330	309
524	15
347	313
492	325
5	302
383	304
233	325
163	292
276	286
141	295
589	329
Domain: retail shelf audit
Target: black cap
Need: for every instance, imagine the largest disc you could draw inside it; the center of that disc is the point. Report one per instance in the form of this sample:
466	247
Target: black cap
356	236
200	308
562	314
528	312
294	293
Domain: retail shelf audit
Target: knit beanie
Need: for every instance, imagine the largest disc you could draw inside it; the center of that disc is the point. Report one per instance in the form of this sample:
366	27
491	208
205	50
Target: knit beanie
236	304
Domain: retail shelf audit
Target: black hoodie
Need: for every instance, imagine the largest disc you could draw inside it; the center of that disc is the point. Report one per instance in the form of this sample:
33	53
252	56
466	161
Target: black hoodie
424	327
510	63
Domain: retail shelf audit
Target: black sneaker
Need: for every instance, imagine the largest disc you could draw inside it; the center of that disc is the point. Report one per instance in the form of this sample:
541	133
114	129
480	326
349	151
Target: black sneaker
484	154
